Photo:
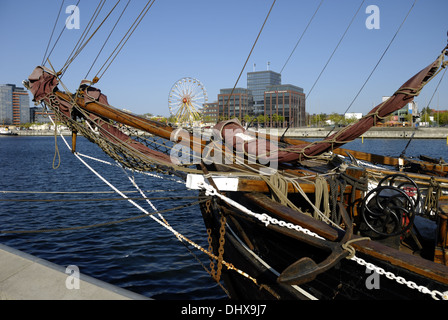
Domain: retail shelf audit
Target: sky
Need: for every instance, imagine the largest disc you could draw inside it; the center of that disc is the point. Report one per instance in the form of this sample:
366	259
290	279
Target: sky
211	40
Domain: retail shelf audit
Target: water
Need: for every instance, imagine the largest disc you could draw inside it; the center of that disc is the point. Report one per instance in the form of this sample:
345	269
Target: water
139	255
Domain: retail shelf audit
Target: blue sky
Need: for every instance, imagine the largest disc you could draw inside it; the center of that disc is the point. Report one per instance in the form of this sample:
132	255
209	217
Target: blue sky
210	40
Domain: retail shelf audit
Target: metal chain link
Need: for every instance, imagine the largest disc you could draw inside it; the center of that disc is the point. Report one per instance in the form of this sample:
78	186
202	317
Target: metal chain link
411	284
266	219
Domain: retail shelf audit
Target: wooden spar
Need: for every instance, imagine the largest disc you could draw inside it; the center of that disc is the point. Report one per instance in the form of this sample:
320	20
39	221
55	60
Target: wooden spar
153	127
371	157
196	143
404	260
74	135
374	158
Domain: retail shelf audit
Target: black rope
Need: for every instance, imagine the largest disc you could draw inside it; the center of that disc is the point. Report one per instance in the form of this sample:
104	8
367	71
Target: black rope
125	39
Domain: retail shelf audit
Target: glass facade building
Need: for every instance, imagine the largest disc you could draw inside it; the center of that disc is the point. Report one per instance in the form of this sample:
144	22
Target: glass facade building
14	105
281	105
39	115
257	83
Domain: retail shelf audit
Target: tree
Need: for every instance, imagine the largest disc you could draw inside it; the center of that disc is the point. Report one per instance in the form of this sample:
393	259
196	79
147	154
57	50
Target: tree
427	111
441	118
281	119
147	115
336	118
261	119
274	119
318	119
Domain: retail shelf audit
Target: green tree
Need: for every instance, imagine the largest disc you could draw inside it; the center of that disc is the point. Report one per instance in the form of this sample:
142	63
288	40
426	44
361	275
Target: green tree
336	118
281	119
318	119
274	119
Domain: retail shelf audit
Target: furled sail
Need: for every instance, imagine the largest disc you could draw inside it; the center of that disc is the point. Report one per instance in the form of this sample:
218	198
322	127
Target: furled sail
91	105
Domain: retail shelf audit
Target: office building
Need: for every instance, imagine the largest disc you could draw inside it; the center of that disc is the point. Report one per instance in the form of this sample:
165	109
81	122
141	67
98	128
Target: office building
14	105
284	105
39	115
257	83
281	105
210	112
236	104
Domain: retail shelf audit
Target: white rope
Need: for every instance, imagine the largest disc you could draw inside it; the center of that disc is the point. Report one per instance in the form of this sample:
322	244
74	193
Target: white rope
266	219
120	166
178	235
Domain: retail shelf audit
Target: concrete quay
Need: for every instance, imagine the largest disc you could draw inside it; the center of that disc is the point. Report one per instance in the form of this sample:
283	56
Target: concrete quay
41	132
374	133
25	277
306	132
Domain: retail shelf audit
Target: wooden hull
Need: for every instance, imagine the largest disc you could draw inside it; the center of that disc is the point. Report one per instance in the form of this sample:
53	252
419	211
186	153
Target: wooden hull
265	252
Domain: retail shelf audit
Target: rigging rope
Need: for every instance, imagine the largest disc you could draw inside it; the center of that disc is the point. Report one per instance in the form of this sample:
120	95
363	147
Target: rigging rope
57	40
86	31
81	45
334	51
105	42
382	56
437	87
132	27
303	33
250	53
52	32
184	240
100	199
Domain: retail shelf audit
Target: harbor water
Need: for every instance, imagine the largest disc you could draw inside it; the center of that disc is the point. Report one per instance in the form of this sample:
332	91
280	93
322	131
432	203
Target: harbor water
54	208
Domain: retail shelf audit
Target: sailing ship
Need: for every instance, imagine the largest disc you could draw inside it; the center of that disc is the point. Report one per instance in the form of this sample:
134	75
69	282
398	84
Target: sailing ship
288	219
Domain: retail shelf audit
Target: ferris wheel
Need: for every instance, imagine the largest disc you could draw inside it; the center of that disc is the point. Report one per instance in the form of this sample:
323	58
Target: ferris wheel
186	100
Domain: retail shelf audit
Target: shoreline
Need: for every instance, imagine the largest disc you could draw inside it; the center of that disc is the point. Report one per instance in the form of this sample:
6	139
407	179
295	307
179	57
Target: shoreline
373	133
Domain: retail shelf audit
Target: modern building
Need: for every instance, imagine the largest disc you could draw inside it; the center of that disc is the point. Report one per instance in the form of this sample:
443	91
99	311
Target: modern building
281	105
257	83
38	115
234	103
353	115
210	112
14	105
407	113
284	105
